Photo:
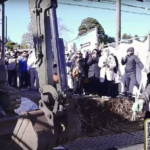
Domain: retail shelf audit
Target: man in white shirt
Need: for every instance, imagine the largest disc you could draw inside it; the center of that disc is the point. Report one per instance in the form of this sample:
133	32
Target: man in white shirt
32	67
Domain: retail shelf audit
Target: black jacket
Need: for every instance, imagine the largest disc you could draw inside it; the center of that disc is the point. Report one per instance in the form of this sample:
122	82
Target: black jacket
55	69
130	62
117	64
86	67
81	64
94	69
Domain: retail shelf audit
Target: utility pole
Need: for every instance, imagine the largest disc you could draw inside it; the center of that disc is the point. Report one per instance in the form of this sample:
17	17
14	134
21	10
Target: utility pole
3	32
3	78
118	21
6	28
149	41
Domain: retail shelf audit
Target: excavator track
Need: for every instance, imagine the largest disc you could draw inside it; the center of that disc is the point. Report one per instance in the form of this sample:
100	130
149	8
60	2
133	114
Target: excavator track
10	97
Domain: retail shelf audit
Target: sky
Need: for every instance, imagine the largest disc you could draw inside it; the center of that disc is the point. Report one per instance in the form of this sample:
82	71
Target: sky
17	12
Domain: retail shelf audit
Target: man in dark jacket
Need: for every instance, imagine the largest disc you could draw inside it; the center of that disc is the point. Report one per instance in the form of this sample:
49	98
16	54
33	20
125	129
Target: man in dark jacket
130	69
94	72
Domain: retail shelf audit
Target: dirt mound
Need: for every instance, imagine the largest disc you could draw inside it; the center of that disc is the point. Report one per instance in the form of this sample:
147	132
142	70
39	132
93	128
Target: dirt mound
99	117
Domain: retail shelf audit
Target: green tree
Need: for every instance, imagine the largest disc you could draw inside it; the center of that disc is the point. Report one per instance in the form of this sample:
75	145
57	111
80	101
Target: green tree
108	39
144	39
129	36
16	46
11	45
24	46
137	38
89	24
126	36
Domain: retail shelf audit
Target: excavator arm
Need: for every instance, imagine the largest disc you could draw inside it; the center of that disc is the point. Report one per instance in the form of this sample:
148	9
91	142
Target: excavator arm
47	42
55	123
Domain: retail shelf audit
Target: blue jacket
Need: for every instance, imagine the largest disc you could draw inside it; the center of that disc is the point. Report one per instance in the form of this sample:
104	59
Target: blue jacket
23	65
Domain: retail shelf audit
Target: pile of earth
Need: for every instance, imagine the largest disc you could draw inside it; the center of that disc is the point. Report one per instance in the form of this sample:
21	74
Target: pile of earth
99	117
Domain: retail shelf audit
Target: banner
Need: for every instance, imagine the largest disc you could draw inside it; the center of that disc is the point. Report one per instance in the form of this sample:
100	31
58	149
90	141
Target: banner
140	50
84	42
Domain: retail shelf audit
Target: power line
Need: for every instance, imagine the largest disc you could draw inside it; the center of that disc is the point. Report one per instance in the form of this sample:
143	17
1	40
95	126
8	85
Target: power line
110	9
123	4
127	5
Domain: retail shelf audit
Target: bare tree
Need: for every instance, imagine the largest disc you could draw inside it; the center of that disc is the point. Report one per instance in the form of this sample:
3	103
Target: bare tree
62	29
27	38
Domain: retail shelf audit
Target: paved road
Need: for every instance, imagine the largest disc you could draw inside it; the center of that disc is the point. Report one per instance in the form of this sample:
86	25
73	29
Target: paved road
124	141
133	147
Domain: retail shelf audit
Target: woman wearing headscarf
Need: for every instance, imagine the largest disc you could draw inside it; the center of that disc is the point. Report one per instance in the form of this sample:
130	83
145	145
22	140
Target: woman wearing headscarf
107	64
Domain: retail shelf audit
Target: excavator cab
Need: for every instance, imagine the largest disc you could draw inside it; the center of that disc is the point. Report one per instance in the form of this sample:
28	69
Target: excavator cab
56	122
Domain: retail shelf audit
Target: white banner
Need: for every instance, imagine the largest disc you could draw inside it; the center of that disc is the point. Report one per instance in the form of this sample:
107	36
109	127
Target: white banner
84	42
140	50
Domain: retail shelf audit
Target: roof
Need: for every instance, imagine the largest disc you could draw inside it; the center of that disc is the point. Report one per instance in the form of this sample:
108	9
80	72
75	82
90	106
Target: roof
82	34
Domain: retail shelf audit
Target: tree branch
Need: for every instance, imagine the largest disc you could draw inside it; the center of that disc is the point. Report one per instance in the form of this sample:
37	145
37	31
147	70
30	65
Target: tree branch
28	37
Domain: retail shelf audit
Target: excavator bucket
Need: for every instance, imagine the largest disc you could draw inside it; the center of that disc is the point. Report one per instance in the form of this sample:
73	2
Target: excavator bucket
33	132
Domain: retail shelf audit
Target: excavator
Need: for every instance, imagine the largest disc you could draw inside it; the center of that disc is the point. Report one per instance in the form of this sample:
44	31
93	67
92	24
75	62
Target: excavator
55	122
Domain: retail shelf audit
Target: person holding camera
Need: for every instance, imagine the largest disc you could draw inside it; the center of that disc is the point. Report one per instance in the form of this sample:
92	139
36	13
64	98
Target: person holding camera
94	72
78	73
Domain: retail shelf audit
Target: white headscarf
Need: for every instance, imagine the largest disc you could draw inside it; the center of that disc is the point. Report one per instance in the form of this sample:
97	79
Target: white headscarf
105	52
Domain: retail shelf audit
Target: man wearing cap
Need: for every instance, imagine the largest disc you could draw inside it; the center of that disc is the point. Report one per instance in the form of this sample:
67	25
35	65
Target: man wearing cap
130	69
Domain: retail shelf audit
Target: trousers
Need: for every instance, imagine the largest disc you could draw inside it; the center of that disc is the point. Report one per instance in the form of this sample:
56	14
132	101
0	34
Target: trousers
130	81
34	79
12	78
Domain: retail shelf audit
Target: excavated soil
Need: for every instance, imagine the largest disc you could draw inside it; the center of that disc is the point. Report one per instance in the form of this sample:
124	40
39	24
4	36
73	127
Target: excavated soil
98	117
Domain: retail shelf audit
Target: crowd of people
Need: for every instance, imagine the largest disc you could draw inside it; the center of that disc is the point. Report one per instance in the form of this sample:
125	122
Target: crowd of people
90	72
97	72
22	66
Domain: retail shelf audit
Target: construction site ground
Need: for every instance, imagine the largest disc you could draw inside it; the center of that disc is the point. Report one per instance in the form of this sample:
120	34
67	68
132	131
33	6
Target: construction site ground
105	125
